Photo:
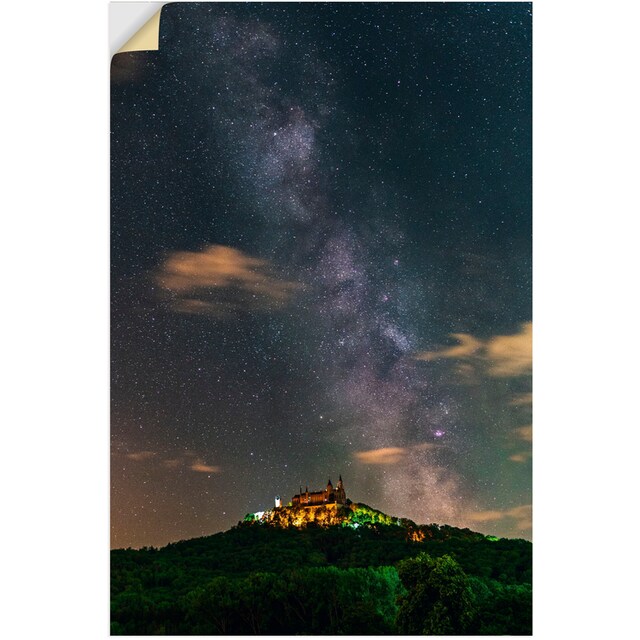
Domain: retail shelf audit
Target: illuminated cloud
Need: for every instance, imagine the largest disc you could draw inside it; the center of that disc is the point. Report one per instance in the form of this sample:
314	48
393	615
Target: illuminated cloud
386	455
525	433
140	456
521	515
392	455
201	467
522	400
520	457
468	346
511	355
222	281
503	356
188	459
485	516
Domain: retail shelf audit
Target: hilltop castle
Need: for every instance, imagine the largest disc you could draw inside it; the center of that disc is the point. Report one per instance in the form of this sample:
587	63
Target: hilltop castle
330	495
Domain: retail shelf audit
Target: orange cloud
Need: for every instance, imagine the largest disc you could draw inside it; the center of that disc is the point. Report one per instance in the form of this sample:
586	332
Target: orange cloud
485	516
520	457
525	433
392	455
521	515
522	399
140	456
511	355
189	459
386	455
503	356
201	467
221	281
468	346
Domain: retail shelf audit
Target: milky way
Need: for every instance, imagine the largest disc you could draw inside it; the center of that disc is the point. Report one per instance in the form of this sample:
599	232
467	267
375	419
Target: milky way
321	265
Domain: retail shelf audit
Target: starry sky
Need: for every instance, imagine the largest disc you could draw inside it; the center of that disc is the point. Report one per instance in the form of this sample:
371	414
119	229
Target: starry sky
321	265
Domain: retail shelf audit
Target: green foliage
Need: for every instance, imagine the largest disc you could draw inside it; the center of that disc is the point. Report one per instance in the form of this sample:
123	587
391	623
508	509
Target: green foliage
265	579
211	609
323	600
439	599
502	608
362	514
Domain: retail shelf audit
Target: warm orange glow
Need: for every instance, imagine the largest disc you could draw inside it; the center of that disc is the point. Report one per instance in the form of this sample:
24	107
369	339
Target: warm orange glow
328	515
192	277
323	515
386	455
525	433
521	515
199	465
417	535
504	355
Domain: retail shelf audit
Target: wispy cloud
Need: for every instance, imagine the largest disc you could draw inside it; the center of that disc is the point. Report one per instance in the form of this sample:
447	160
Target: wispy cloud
522	400
525	433
467	346
386	455
503	356
201	467
520	457
392	455
522	435
521	516
188	459
511	355
140	456
222	281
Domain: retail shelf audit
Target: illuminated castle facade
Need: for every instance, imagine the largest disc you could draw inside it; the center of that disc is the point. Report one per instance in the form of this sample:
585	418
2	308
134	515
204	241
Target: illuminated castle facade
330	495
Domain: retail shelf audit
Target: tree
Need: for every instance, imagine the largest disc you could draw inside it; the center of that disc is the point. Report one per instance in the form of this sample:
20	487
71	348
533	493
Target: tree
211	609
502	609
259	597
439	600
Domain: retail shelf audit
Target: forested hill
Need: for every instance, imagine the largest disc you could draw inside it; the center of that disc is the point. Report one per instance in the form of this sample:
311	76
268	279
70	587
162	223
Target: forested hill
369	573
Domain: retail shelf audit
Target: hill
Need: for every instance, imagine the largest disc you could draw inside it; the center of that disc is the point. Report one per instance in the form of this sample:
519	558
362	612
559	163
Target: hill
334	569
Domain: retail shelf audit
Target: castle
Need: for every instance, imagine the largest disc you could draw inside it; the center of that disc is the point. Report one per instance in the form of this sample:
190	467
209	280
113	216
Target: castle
330	495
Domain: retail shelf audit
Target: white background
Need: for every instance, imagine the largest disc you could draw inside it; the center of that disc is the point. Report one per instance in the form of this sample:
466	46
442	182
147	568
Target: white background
55	333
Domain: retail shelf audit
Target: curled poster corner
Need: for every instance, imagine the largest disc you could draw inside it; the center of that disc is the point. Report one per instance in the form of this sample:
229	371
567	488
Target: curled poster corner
146	38
125	19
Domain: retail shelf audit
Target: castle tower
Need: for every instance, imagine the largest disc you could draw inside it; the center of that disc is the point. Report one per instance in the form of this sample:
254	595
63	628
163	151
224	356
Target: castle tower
328	492
340	493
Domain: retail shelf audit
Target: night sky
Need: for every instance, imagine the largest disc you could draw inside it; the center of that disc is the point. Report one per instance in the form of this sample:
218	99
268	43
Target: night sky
321	265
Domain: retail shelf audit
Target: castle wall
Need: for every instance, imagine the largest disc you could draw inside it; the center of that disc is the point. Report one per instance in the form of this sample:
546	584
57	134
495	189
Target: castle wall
309	498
